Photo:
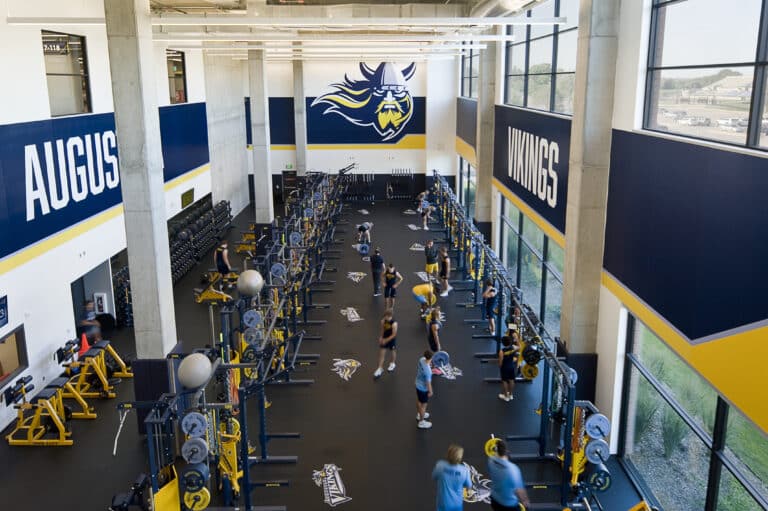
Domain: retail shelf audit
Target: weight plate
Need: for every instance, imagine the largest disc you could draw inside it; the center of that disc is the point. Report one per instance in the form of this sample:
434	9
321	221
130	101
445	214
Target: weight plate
250	354
252	335
317	196
252	318
278	270
600	479
295	238
309	212
195	477
598	426
597	451
194	424
490	446
364	248
573	375
530	372
197	501
195	450
531	355
441	358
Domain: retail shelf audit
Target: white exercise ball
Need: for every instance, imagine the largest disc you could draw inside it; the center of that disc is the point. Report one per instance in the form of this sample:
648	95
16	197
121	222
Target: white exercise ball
194	370
250	283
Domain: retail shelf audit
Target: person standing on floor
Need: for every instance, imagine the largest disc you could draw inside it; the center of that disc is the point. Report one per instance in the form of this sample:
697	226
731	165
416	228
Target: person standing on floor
392	280
377	268
426	215
452	478
507	488
508	356
434	330
423	390
489	304
387	342
430	253
221	260
364	232
445	270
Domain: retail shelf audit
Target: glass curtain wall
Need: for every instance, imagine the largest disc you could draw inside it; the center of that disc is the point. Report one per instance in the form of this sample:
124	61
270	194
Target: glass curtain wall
470	72
467	186
541	60
716	92
535	264
678	430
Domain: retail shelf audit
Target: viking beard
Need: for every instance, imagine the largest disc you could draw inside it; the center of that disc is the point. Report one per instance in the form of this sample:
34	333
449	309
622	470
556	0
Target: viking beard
393	113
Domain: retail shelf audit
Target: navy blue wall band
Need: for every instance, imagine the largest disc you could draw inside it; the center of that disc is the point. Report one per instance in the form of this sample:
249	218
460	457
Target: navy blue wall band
282	128
466	120
184	133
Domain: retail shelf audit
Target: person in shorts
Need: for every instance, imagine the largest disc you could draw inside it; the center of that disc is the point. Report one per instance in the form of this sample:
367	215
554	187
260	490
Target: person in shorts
489	304
364	232
445	270
377	268
423	390
434	330
387	342
452	478
508	356
425	295
507	488
392	280
426	215
430	253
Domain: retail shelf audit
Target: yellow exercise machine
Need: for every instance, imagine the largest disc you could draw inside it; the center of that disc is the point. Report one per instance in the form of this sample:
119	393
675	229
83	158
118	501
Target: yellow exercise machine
211	292
43	420
91	374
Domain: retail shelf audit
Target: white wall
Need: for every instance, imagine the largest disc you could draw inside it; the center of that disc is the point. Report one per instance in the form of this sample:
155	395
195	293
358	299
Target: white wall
226	130
442	84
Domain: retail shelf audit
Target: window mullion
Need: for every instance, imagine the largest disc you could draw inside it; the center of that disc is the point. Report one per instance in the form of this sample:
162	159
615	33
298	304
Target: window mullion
718	444
526	64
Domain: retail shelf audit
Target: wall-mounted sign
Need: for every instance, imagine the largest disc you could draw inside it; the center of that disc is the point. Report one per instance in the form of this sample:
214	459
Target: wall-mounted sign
55	46
3	311
531	153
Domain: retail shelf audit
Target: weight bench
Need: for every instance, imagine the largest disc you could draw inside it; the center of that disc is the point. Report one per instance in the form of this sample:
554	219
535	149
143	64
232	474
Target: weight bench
68	391
47	426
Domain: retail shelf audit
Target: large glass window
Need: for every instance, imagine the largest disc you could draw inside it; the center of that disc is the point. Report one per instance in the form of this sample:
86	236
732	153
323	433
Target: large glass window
13	355
66	71
470	73
708	93
537	76
676	428
177	76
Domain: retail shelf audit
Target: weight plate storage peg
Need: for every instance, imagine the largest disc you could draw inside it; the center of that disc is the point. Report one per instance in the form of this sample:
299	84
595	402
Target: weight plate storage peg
598	426
295	239
530	372
597	451
252	335
194	424
252	318
278	270
194	450
195	477
197	501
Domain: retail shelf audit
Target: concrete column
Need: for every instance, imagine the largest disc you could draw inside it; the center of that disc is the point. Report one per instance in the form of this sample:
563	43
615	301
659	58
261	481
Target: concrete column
129	38
300	116
486	103
262	161
588	172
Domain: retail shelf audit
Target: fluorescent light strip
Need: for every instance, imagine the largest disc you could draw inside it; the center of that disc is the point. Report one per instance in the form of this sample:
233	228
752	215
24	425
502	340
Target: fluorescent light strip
256	21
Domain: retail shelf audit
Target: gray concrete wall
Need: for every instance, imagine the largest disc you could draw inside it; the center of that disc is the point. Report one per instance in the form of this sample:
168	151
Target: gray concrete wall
224	92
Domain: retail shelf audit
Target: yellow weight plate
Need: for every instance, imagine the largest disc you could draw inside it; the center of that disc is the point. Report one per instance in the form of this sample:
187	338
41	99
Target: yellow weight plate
490	446
530	372
196	501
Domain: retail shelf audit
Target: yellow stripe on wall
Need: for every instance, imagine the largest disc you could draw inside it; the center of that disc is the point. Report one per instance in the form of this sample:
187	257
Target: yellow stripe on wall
283	147
466	151
407	142
57	239
733	365
554	234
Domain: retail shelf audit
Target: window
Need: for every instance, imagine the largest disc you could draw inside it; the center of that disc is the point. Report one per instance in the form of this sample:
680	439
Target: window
676	428
541	60
66	71
13	355
535	264
716	92
177	76
470	72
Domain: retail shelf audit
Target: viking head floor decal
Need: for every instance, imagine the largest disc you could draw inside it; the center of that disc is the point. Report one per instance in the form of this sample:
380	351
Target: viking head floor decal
381	99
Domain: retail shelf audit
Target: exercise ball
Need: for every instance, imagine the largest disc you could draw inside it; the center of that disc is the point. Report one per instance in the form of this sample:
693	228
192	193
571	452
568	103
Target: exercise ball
194	370
250	283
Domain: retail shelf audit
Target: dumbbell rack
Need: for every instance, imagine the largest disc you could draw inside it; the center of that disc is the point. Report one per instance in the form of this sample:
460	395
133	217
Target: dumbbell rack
401	185
121	283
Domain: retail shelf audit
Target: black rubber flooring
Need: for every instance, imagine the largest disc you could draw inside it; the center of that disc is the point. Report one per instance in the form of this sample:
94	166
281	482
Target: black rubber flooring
366	428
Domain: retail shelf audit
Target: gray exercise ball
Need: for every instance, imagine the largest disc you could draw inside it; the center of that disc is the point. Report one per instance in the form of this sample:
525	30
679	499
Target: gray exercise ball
194	370
250	283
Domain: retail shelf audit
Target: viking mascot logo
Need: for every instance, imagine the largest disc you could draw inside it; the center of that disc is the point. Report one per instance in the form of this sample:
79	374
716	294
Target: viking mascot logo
381	99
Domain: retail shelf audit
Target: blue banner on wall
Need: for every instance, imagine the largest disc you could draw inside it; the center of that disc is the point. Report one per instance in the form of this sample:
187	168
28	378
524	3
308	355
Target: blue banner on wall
531	159
3	311
686	231
466	120
58	172
282	127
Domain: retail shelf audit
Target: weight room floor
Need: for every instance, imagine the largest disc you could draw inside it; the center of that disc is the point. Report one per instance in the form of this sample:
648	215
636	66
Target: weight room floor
367	428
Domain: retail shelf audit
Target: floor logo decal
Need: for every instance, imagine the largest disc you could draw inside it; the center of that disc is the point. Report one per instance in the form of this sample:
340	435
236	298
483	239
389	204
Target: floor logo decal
409	212
414	227
364	211
334	492
423	276
417	247
447	371
356	276
351	314
345	367
481	487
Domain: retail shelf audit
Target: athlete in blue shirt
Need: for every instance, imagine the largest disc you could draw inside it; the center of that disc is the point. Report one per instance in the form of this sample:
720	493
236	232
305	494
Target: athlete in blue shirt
423	390
452	477
507	488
